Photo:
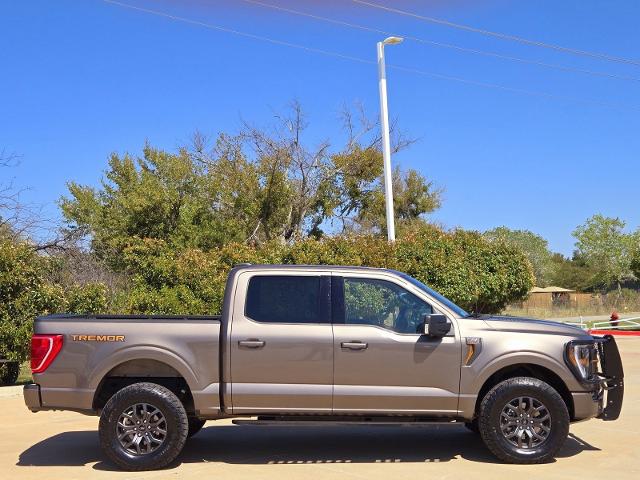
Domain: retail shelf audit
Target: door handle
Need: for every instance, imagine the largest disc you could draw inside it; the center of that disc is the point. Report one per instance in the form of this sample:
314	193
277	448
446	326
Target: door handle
253	343
354	345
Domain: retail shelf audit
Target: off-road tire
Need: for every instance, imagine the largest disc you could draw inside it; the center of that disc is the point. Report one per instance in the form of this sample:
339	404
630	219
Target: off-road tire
177	426
9	372
195	425
489	420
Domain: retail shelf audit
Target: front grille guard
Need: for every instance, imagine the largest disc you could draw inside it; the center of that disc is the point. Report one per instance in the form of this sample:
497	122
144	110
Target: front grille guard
609	376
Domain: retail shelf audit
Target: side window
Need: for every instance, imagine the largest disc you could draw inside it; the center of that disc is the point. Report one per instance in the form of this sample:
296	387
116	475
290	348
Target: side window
284	299
384	304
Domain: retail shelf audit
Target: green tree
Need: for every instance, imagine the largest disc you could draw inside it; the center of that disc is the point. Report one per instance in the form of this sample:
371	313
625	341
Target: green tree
161	195
258	186
572	273
532	245
413	197
606	249
635	264
635	253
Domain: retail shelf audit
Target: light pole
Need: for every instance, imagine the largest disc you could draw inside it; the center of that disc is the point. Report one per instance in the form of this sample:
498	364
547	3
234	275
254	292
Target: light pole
386	144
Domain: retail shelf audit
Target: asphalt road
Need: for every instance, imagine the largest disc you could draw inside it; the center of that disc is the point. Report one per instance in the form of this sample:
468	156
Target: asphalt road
64	445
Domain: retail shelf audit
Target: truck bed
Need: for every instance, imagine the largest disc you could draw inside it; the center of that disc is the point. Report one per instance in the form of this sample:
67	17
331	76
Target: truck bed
100	348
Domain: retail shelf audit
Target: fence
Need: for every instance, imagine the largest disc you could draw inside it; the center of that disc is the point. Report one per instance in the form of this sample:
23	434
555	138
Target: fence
623	325
574	304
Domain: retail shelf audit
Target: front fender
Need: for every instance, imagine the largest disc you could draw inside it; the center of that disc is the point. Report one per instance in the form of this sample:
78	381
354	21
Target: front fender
473	377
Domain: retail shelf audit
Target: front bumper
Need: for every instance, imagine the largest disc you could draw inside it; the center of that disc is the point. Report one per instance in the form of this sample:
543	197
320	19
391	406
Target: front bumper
31	393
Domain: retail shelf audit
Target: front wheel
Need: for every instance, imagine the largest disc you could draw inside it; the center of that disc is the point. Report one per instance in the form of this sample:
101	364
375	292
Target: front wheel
143	427
523	420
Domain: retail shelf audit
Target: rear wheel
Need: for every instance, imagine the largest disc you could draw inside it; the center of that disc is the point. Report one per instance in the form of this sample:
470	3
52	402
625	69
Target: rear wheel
143	427
523	420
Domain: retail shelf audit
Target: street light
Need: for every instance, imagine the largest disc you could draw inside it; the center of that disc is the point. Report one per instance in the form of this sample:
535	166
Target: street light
386	144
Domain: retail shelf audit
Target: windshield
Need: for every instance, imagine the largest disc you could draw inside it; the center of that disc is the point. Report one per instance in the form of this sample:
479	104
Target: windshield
452	306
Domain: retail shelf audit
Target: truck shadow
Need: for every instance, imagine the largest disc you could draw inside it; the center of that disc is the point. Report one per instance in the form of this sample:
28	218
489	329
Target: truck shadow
294	445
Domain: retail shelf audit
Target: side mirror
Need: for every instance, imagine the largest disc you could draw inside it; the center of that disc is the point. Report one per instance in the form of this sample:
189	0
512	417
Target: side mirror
436	325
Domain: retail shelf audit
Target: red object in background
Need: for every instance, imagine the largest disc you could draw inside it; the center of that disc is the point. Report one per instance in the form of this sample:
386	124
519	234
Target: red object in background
44	349
614	318
625	333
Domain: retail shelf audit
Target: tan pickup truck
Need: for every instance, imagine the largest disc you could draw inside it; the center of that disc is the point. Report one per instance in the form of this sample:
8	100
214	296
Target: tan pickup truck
309	344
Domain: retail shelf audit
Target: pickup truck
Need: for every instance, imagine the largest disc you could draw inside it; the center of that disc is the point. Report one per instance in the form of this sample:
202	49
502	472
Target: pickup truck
308	344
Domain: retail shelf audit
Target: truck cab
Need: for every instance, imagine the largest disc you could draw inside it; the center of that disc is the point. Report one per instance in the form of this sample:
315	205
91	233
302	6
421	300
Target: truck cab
339	342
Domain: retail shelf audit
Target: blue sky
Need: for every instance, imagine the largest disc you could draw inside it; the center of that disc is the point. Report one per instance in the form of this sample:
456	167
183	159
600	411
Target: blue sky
83	78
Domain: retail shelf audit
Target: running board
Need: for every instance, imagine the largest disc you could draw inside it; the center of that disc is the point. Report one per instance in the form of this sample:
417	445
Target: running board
340	421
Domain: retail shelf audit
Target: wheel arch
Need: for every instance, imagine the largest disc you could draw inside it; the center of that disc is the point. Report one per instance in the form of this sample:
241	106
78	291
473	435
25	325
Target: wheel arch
138	370
142	353
527	370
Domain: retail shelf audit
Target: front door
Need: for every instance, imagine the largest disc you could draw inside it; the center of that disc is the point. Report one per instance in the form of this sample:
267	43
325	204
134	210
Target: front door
281	343
382	363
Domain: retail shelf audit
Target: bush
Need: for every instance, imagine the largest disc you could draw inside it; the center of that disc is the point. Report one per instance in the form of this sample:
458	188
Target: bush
87	299
24	295
478	275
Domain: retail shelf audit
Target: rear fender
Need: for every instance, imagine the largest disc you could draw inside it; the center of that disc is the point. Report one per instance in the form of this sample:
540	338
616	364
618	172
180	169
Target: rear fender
137	352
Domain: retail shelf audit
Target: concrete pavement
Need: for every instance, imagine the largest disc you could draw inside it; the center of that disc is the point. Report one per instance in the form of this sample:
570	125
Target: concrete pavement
64	445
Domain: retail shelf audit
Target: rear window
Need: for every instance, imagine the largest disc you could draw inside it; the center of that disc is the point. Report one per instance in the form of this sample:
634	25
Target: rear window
284	299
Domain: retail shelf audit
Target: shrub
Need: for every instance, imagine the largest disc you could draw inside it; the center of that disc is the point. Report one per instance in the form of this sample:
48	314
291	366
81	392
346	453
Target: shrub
24	295
91	298
478	275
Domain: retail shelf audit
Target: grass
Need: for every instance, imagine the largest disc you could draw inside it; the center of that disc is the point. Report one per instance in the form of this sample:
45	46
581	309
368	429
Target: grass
561	312
573	315
25	374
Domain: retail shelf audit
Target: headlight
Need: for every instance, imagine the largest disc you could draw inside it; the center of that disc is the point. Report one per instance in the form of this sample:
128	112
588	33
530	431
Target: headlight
582	358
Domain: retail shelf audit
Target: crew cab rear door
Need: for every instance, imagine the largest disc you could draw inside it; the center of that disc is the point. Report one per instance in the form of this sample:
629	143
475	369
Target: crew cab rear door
382	364
281	343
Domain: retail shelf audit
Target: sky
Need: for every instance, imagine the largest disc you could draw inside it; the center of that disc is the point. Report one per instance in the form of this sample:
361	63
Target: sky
511	143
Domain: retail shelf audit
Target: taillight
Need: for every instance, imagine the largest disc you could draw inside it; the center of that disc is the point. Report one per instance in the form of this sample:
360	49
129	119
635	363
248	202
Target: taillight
44	349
